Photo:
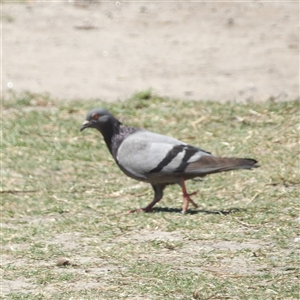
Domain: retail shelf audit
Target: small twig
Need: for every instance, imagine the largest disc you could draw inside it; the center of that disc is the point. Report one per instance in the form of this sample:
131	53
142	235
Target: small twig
224	274
252	198
244	223
18	192
210	297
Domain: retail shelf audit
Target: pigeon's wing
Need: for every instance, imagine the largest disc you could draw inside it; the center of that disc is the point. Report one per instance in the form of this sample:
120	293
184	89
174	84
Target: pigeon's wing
144	153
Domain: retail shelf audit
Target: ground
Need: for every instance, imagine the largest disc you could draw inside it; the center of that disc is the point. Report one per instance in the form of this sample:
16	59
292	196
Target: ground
65	228
110	50
65	231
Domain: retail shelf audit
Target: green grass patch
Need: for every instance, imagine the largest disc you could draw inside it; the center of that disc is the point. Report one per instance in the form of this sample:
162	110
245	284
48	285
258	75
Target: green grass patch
64	196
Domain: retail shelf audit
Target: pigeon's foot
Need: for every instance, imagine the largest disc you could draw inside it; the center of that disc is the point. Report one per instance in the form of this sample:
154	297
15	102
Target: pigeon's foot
139	210
191	200
187	197
186	200
149	206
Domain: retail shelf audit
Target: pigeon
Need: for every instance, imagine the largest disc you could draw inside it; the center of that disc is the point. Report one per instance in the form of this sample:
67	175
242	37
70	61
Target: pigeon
158	159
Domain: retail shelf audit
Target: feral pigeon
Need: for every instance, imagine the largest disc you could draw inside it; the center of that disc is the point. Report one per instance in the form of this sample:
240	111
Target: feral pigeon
158	159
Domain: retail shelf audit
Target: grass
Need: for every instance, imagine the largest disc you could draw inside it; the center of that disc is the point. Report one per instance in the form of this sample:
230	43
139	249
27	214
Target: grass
63	196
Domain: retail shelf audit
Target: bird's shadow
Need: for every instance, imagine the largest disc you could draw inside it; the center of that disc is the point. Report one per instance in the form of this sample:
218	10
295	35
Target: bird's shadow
198	211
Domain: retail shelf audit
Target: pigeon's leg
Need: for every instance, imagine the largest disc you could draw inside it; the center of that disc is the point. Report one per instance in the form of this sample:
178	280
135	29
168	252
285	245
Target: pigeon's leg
186	197
158	194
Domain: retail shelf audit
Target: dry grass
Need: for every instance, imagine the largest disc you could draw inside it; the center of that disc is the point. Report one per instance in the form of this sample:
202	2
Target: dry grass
63	196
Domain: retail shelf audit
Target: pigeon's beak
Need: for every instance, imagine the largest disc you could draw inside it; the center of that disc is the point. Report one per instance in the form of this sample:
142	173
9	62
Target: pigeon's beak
85	125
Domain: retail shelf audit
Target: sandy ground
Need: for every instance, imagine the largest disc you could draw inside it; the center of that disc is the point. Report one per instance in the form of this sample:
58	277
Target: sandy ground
200	51
109	50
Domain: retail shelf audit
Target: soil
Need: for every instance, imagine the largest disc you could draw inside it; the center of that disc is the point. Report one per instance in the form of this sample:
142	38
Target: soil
180	257
109	50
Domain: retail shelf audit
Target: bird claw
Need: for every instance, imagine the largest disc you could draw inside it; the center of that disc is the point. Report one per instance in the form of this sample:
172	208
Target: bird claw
193	193
138	210
132	211
191	200
187	200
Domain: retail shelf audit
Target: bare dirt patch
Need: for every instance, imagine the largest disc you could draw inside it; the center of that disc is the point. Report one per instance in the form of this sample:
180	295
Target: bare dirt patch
216	51
16	285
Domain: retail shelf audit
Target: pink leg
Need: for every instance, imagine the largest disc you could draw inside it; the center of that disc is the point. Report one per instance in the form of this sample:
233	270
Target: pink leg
147	208
186	197
158	194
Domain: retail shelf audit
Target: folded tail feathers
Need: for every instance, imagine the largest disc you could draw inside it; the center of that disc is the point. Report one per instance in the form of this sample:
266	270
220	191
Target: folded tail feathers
213	164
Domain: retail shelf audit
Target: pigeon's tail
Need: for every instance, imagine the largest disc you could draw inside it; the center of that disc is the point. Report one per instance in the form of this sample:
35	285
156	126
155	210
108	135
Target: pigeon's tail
212	164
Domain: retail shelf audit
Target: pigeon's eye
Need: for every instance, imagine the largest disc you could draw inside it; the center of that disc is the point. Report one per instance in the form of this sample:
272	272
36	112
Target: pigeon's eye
95	117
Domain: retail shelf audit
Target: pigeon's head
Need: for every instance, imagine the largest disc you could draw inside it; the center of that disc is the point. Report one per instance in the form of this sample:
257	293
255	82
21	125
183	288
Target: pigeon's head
99	118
